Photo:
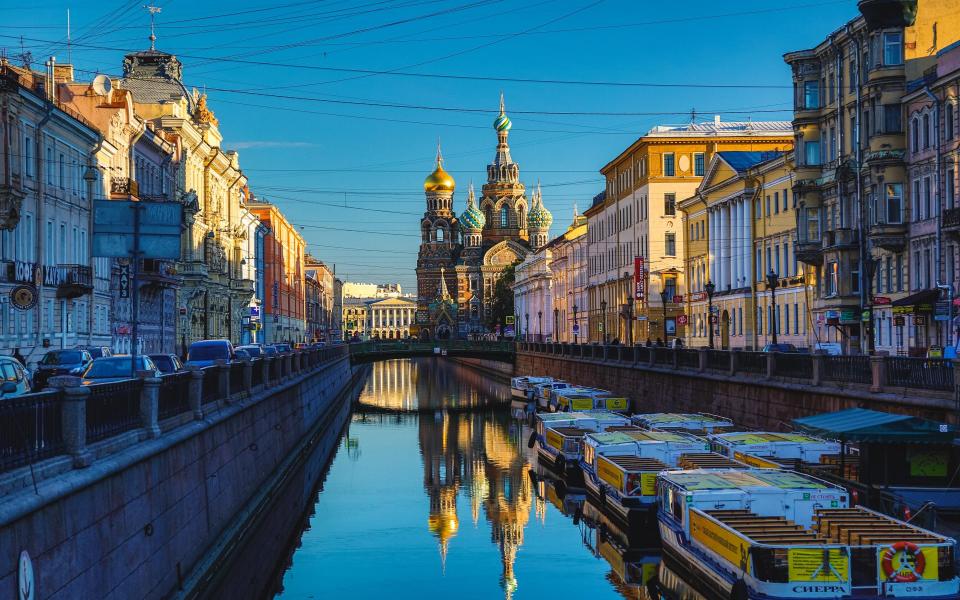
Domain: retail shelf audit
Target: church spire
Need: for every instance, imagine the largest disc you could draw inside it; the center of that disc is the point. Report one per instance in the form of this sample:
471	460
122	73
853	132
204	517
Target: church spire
503	169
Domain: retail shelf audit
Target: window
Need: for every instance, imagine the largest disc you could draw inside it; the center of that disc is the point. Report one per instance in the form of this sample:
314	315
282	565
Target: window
891	118
28	156
48	167
832	278
916	200
50	247
899	272
504	218
756	209
698	166
670	204
928	209
893	205
887	275
915	134
948	122
926	131
439	235
892	48
854	275
776	202
796	318
670	287
853	76
669	166
785	201
811	94
811	153
951	199
62	180
927	280
768	205
670	244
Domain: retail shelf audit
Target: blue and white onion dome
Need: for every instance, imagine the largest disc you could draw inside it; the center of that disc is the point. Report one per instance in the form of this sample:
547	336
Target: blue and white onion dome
539	217
502	122
472	218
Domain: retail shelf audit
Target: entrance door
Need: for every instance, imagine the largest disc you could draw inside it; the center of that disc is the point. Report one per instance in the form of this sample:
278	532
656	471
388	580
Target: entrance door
725	330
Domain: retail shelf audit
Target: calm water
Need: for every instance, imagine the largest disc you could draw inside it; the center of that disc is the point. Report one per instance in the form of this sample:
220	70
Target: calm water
431	493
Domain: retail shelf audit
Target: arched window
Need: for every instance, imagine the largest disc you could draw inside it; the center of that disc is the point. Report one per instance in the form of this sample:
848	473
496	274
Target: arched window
520	221
440	234
489	215
504	218
926	131
915	135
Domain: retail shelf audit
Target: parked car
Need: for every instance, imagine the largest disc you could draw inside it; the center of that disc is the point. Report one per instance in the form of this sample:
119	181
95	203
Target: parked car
270	351
117	368
281	348
97	351
14	377
254	350
167	363
301	346
206	352
60	362
780	348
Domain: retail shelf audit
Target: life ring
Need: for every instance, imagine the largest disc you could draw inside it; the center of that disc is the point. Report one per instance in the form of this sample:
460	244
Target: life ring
899	575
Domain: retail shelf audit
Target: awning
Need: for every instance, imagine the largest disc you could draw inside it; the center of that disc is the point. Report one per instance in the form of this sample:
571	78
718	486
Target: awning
922	301
864	425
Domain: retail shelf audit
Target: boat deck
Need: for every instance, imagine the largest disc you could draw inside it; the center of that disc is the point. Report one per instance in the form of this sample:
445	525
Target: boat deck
570	431
766	530
859	527
708	460
623	428
634	463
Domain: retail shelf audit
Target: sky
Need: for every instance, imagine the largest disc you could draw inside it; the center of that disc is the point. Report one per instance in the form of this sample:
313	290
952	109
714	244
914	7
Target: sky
336	107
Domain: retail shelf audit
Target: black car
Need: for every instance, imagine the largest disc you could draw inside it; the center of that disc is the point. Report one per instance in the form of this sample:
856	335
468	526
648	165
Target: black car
97	351
60	362
167	363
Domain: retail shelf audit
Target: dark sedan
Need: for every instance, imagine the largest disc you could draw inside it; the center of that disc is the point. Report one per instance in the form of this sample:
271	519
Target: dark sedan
60	362
167	363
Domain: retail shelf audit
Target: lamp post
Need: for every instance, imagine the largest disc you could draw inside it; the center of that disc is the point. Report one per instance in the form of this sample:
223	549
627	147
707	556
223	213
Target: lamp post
772	280
526	328
710	289
540	325
630	320
663	304
576	326
603	323
556	318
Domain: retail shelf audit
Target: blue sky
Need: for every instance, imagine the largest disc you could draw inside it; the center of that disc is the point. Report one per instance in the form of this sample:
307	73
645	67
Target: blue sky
290	83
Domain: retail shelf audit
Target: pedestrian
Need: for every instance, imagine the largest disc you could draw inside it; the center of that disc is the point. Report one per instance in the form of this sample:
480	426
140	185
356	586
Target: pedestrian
19	357
649	343
677	343
659	343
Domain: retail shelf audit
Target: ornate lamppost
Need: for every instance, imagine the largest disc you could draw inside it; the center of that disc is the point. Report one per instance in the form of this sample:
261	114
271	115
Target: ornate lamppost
630	320
772	281
710	288
556	318
663	304
576	326
540	325
603	324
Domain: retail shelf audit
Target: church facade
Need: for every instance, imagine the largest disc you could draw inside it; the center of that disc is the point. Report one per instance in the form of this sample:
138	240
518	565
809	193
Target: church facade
462	257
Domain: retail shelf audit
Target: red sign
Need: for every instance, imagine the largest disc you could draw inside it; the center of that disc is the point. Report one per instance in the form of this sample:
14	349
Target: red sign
678	299
698	296
639	279
881	300
681	319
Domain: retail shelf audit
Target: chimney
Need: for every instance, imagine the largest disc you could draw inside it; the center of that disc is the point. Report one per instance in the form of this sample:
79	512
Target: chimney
716	119
63	73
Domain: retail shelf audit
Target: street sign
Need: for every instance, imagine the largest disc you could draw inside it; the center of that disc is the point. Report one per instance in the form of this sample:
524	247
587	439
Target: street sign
576	330
255	312
899	321
114	230
714	319
509	319
125	280
681	319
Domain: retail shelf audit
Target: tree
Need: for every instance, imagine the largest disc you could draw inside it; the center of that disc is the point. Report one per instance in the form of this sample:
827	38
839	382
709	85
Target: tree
501	304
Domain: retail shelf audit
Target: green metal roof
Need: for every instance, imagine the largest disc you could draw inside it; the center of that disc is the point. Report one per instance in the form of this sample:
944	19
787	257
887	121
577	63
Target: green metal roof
864	425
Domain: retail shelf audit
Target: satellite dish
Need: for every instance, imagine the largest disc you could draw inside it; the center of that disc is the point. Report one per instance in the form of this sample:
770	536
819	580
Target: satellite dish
101	85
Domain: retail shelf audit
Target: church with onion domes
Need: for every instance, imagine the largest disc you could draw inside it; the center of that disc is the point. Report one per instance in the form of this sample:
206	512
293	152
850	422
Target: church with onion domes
462	257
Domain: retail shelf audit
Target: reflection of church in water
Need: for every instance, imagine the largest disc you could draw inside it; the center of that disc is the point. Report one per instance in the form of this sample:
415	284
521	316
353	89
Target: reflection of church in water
474	455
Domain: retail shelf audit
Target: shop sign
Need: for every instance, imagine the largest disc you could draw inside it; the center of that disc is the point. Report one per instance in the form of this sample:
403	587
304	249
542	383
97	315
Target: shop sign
639	278
681	319
23	297
881	300
255	312
919	320
125	280
509	319
848	315
899	321
576	329
698	296
26	583
678	299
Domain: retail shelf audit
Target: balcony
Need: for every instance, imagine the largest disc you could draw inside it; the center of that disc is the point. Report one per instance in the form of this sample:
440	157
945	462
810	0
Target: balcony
839	238
124	188
951	221
809	251
11	202
889	236
160	273
244	286
71	281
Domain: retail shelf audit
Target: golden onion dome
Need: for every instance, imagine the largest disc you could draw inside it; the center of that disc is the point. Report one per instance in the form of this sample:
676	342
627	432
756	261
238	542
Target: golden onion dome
439	180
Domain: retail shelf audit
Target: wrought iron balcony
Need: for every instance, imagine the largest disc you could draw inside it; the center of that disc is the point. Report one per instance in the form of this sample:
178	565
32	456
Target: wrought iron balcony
158	272
839	238
124	188
71	281
951	221
889	236
809	251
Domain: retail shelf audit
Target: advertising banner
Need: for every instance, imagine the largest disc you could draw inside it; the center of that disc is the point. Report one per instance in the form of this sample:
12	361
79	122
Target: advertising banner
639	278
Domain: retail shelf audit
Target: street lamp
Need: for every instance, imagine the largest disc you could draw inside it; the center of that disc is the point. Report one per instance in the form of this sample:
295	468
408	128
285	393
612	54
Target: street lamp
630	320
526	328
772	280
603	324
556	318
663	303
576	326
710	288
540	325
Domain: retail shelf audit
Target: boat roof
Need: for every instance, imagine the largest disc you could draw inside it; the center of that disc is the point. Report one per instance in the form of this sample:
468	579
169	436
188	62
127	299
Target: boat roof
865	425
742	479
629	437
656	419
550	417
572	391
766	437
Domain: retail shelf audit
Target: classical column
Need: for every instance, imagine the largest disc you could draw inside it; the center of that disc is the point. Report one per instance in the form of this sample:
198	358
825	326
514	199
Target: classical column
711	243
737	228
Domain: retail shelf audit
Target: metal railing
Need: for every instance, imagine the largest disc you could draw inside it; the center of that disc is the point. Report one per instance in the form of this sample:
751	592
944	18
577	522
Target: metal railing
236	376
718	360
30	429
752	362
796	366
211	385
257	379
848	369
688	358
174	395
923	373
113	408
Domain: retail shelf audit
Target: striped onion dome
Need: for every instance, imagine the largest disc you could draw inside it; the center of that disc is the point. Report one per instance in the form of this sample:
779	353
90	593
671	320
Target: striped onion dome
539	217
502	122
472	218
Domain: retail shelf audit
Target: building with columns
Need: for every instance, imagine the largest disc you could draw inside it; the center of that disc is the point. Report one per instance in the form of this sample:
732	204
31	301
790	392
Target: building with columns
568	265
533	296
637	216
390	318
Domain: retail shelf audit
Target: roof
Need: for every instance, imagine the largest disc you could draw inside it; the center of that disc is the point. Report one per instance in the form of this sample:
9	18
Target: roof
864	425
742	161
725	127
740	479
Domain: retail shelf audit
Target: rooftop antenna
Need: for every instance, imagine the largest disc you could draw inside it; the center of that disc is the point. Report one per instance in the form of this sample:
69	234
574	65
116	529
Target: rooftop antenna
153	10
69	54
25	55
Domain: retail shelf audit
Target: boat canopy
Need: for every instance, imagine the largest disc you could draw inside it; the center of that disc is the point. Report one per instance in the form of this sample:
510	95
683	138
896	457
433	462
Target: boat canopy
864	425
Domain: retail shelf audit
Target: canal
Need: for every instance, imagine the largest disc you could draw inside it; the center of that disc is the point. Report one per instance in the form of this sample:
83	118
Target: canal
434	490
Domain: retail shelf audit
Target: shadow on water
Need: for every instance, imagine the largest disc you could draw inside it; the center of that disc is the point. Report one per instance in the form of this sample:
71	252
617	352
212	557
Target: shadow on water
432	487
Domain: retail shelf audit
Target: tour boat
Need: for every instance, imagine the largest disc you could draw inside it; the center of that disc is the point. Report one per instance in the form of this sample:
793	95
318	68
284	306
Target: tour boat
559	436
542	391
586	399
521	387
620	469
769	534
769	449
698	423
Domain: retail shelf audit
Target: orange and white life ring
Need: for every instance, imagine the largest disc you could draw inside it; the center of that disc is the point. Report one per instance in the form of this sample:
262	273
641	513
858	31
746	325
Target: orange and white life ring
901	574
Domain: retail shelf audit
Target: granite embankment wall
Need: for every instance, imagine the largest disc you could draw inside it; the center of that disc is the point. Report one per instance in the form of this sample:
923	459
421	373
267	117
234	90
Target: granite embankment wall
150	520
749	400
495	368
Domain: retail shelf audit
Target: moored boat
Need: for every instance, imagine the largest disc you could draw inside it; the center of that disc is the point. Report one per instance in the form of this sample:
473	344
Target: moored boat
584	398
770	449
765	533
559	437
697	423
542	392
521	387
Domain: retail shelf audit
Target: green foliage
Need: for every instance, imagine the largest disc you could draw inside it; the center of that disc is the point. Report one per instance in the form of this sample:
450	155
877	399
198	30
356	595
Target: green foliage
502	301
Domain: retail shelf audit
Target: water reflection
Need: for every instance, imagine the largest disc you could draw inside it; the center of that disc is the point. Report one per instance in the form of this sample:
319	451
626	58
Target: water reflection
428	384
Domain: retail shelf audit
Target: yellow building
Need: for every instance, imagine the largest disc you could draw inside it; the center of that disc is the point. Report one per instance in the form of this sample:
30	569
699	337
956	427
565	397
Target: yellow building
741	224
568	256
637	216
852	185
